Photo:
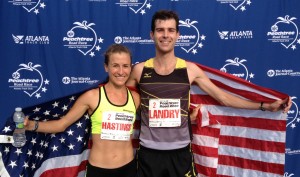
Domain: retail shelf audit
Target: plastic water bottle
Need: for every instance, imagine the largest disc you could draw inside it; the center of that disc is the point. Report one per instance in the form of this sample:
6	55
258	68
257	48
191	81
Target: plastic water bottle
19	133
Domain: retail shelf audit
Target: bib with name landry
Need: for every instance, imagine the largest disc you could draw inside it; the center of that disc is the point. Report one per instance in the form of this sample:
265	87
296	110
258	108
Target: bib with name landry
165	107
113	122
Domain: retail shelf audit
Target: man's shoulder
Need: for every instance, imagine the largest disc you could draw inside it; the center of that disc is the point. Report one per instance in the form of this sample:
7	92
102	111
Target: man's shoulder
138	65
190	63
193	68
185	60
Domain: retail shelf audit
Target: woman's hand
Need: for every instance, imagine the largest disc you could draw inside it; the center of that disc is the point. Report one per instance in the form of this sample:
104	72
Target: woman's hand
27	123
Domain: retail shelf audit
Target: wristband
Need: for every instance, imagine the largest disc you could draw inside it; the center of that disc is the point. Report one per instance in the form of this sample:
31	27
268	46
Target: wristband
36	126
261	106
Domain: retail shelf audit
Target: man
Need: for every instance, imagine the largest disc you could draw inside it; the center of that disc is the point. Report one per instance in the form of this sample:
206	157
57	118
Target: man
164	83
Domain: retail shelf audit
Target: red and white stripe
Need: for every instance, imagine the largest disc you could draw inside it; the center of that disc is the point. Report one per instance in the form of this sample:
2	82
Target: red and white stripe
238	142
227	141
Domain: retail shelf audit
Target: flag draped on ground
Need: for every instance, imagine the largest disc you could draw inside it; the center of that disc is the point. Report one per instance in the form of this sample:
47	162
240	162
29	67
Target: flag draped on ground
227	141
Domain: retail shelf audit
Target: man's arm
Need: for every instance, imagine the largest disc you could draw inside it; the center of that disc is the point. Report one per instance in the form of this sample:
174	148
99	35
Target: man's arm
197	75
135	75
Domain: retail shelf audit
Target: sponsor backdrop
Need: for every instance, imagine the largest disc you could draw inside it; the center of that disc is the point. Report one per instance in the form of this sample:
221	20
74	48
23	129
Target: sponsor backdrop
53	48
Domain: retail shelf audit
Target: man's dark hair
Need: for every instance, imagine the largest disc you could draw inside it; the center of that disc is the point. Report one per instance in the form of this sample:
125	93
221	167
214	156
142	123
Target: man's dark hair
164	15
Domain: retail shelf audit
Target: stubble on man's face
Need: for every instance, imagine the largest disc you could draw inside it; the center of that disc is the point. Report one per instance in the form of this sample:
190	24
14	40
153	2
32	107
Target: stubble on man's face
165	35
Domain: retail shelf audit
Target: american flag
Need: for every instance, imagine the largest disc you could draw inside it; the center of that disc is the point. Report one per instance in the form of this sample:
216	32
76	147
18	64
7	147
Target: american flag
238	142
227	141
47	155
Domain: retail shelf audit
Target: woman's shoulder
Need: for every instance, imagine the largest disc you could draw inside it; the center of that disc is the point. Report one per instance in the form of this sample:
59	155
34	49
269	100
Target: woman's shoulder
135	94
91	92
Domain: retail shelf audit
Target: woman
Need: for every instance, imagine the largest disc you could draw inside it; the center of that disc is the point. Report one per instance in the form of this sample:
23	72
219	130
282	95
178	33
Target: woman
112	108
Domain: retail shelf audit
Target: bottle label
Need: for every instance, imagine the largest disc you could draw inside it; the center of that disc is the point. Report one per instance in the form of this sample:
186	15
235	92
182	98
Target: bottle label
20	125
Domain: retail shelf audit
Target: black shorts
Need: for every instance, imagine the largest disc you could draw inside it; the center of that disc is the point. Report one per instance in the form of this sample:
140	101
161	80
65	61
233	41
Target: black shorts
128	170
165	163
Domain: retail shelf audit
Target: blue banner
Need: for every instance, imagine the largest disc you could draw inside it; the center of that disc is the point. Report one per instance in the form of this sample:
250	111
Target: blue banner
53	48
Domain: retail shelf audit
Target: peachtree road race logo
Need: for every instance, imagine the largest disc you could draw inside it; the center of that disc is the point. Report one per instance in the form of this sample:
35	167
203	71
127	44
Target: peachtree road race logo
180	0
29	80
83	38
132	39
292	119
225	35
285	32
282	72
30	5
293	115
237	4
22	39
190	38
237	68
137	6
89	0
78	80
286	174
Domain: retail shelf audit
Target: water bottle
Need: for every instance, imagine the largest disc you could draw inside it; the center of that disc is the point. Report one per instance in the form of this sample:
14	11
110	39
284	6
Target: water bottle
19	133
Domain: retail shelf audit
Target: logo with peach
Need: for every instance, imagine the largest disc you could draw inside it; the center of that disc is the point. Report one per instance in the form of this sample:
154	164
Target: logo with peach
237	68
190	39
237	4
293	115
83	38
285	31
29	79
136	6
31	6
241	5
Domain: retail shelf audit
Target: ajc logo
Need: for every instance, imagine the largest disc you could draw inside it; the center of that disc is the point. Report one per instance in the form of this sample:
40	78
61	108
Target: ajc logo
282	72
237	68
136	6
83	38
189	39
285	31
30	5
29	79
293	115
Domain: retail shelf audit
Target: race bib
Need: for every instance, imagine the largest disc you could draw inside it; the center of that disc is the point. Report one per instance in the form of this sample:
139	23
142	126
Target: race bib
116	125
164	113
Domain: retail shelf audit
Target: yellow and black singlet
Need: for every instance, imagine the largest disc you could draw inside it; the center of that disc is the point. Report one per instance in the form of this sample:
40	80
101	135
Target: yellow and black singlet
164	107
113	122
